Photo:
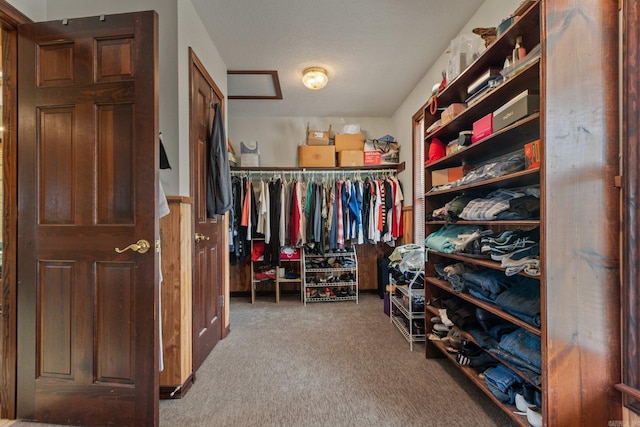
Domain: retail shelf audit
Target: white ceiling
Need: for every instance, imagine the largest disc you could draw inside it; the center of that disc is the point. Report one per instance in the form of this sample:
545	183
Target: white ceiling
376	51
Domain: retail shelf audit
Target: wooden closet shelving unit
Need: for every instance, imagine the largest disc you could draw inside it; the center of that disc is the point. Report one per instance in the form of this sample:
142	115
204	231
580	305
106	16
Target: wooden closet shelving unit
579	284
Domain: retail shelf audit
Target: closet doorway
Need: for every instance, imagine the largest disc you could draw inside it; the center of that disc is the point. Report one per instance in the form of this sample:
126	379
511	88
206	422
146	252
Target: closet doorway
209	264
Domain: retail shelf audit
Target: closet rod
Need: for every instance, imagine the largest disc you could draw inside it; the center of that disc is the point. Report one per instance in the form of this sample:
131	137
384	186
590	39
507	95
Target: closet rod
304	172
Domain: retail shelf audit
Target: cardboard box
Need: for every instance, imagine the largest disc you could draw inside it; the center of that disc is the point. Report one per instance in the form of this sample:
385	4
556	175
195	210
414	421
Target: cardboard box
345	141
381	153
316	156
532	155
439	177
372	158
444	176
518	107
391	157
451	112
318	137
350	158
482	128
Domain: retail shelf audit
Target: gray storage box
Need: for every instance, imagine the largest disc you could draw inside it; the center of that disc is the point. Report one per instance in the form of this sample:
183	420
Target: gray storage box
517	108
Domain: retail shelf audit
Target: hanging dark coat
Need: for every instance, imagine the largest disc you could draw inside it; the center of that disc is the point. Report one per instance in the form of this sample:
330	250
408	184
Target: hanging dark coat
219	194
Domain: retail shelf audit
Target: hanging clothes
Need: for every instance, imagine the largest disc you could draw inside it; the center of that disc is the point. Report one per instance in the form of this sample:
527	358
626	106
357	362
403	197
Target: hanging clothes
164	160
272	248
338	212
219	197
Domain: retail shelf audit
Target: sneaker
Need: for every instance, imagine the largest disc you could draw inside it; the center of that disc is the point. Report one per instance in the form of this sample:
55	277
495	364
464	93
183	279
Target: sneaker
439	327
532	250
517	241
290	274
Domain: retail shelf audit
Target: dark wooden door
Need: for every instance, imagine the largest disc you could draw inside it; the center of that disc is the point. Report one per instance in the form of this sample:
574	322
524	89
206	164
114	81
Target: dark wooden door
87	182
208	262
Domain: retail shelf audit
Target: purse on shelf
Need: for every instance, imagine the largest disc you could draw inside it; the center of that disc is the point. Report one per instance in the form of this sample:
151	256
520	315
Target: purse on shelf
289	253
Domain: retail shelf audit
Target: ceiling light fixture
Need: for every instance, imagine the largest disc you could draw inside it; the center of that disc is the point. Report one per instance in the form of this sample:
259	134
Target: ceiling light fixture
315	78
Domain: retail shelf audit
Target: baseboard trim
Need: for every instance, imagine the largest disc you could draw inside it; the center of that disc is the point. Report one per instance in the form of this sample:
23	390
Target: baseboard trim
176	392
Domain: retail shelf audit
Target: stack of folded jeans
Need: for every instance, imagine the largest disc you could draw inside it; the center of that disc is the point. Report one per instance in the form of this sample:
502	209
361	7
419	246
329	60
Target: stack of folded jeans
522	299
503	383
521	349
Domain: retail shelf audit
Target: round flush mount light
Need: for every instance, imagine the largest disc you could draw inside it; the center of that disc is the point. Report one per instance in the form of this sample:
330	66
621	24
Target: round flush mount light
315	78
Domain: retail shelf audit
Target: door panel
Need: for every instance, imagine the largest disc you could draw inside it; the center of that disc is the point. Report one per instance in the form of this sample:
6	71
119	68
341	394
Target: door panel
87	176
208	262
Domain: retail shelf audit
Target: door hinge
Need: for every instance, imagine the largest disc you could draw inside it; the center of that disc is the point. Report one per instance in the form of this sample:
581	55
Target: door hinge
222	301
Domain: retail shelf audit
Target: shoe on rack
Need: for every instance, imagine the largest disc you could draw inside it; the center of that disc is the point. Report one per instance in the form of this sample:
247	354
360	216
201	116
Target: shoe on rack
517	241
308	292
418	326
290	274
350	291
530	251
330	292
440	327
322	293
314	293
439	334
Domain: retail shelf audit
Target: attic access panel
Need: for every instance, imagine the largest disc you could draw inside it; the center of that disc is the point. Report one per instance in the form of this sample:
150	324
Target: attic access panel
253	84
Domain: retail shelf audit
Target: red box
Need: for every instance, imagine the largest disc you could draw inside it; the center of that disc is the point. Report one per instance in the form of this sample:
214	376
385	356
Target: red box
372	158
532	155
482	128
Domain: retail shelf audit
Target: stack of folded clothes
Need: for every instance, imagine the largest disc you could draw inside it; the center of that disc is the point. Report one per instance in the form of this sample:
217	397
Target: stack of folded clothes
517	295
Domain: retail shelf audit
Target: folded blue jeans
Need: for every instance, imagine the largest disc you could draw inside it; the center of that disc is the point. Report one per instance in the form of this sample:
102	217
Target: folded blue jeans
522	299
525	369
493	281
508	398
504	380
524	345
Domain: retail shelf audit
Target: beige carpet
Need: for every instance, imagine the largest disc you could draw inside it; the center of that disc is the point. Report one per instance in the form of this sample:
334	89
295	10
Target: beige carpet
326	364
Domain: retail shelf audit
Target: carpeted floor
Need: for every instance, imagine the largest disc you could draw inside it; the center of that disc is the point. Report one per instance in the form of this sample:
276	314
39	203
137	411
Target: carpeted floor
326	364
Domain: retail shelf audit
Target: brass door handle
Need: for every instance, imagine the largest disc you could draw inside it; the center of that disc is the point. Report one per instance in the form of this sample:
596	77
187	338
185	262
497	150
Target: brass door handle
141	246
200	237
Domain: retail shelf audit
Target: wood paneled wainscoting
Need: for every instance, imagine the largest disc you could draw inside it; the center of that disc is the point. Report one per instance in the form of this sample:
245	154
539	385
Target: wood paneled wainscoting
176	298
407	225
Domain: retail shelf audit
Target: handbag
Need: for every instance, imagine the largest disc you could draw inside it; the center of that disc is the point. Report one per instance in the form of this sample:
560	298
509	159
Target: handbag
289	253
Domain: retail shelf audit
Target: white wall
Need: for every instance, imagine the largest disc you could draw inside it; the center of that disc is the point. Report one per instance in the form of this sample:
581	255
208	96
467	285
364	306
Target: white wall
490	14
279	137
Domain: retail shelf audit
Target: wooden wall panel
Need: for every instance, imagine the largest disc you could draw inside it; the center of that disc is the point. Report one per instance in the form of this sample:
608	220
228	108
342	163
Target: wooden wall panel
176	298
407	225
580	247
630	181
